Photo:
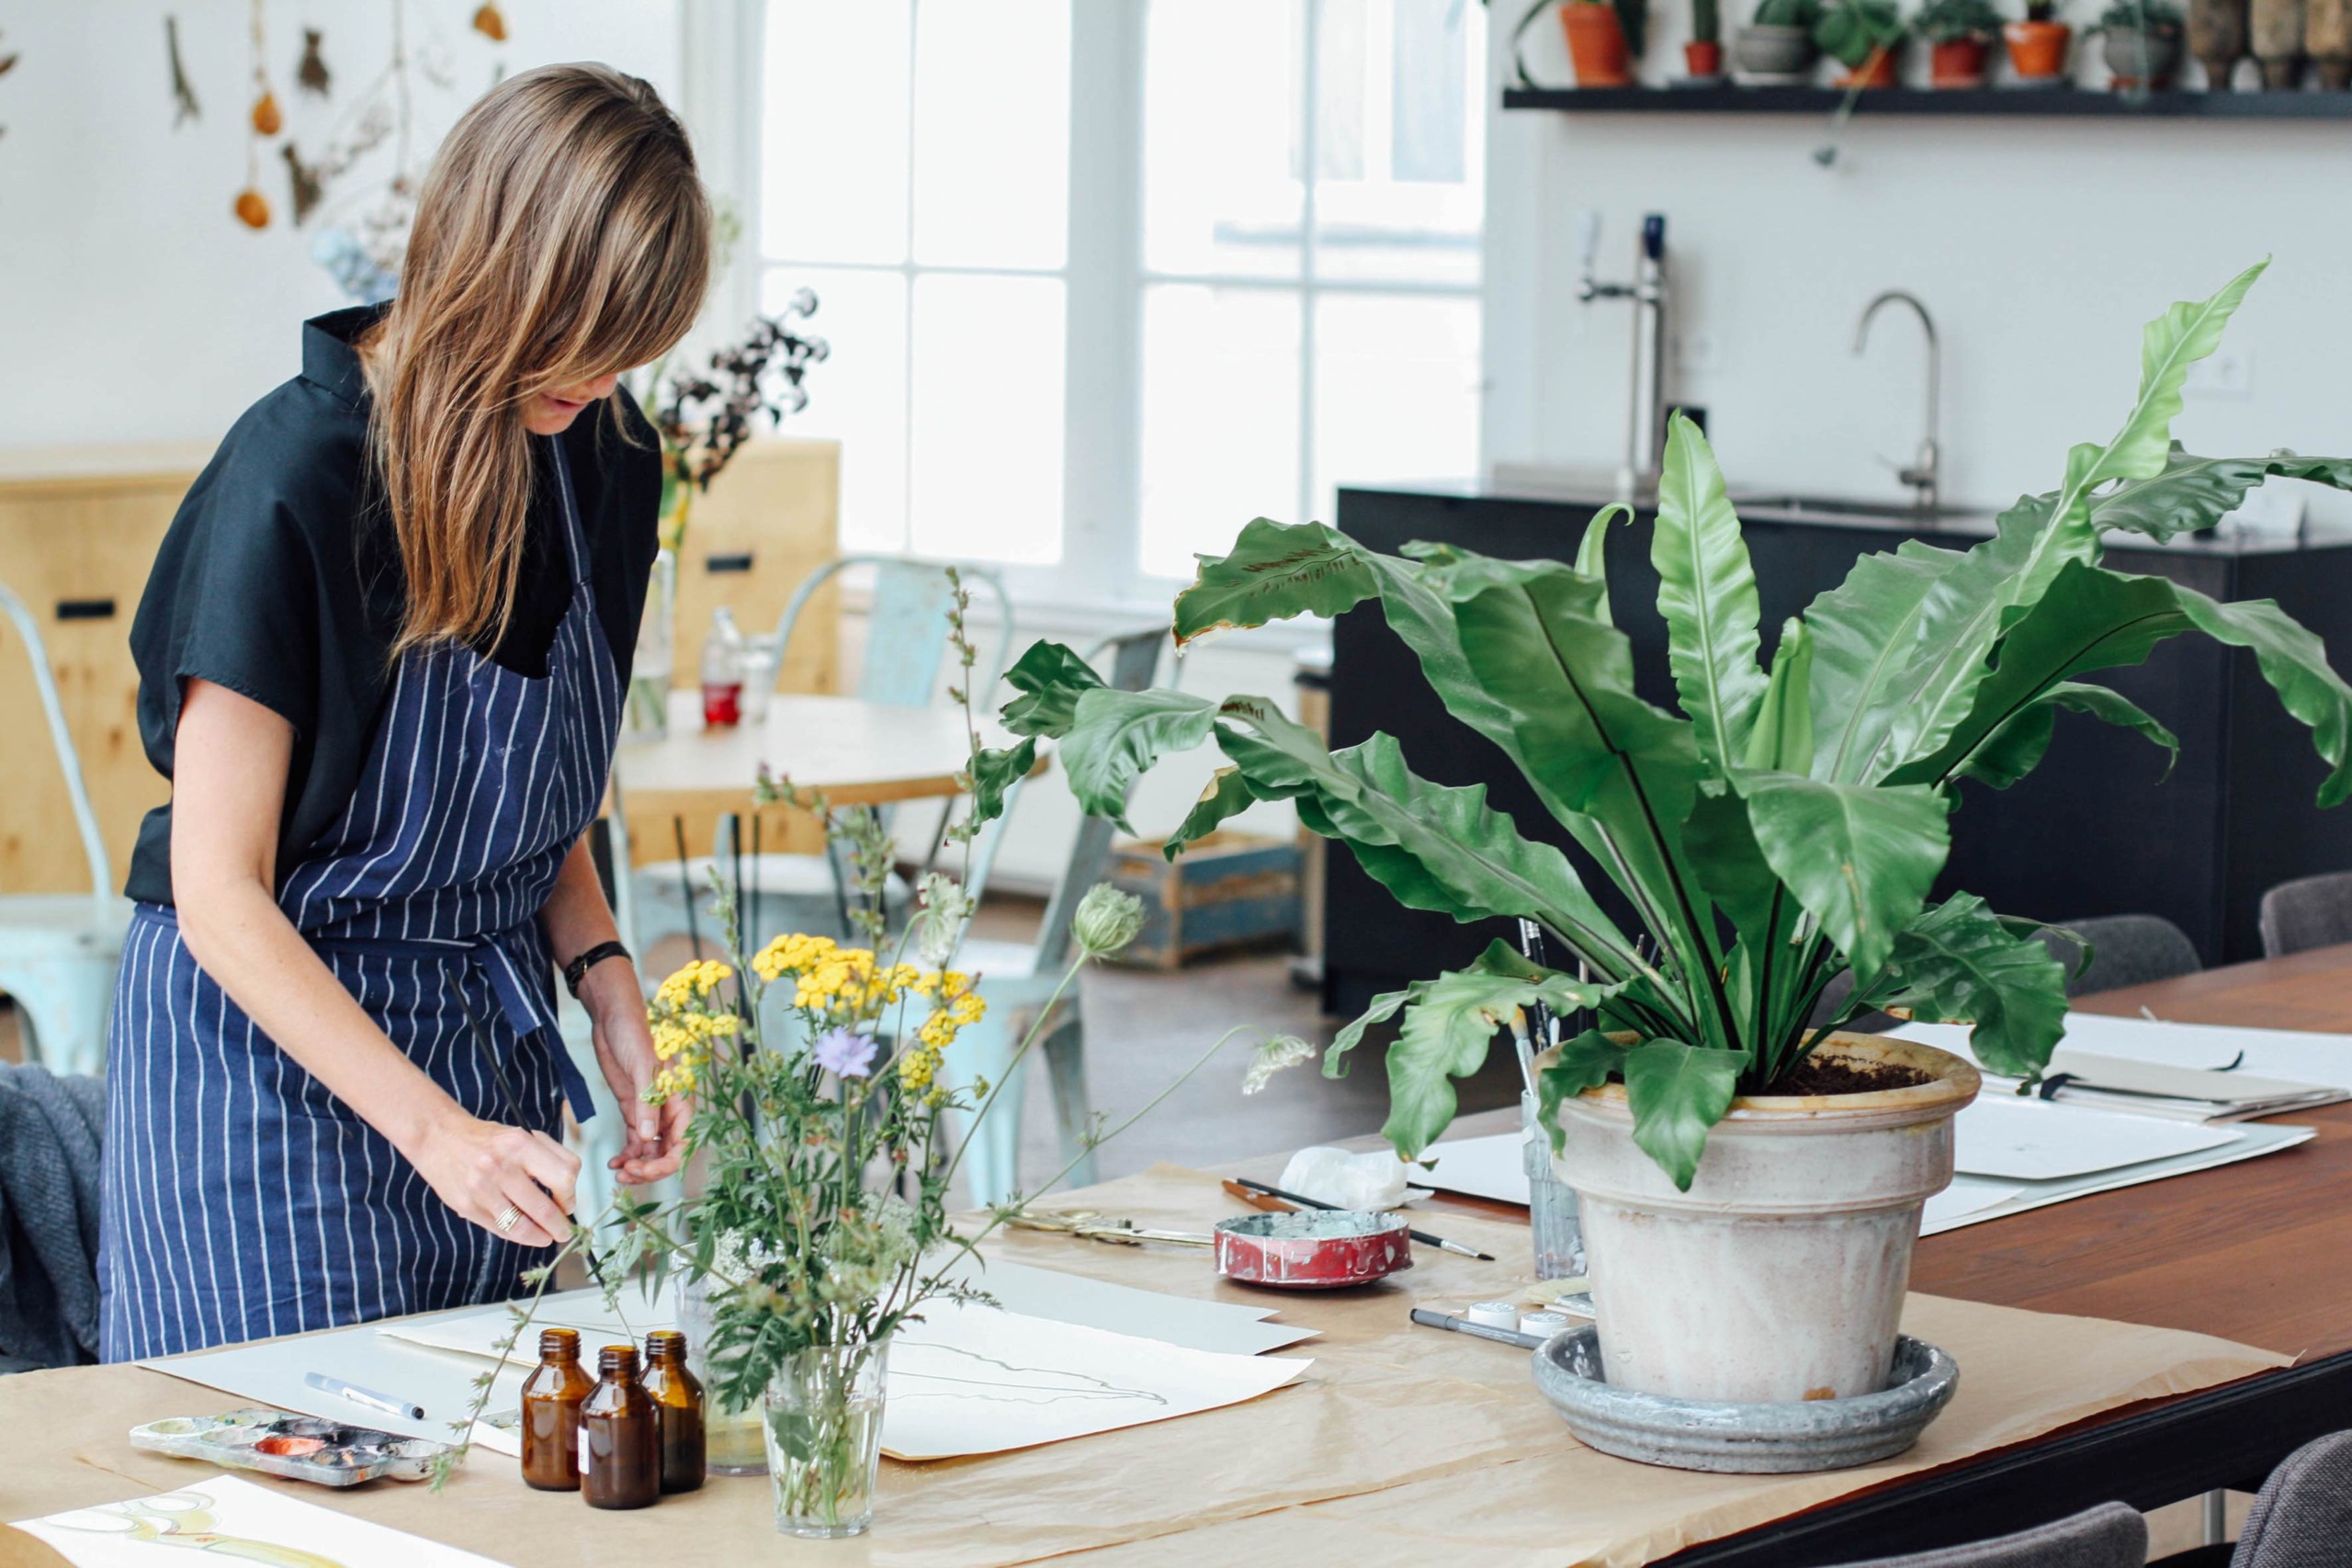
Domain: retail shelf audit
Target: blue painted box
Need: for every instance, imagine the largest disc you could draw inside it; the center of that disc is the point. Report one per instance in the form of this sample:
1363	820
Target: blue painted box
1228	892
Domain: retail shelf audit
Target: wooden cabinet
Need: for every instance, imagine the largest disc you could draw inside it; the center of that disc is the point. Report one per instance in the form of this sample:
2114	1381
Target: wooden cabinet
79	530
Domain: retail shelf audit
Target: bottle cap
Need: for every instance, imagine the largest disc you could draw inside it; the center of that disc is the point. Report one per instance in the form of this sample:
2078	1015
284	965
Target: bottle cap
563	1342
664	1342
617	1361
1493	1315
1543	1325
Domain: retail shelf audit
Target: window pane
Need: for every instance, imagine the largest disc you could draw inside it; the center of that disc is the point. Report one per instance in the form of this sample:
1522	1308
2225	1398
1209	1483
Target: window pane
991	132
1221	84
833	138
1401	91
1395	392
858	396
1220	418
988	418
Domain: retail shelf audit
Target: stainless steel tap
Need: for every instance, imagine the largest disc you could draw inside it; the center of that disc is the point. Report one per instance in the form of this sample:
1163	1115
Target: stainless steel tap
1921	475
1645	393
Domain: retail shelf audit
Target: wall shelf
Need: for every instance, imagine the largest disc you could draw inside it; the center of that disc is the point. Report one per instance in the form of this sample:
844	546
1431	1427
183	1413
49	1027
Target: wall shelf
2055	103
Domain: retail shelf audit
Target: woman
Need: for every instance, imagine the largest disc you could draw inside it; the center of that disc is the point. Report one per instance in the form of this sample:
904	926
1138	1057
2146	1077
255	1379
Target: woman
381	658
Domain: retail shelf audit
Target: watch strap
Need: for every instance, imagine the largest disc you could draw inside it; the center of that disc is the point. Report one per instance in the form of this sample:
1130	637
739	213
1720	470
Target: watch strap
577	970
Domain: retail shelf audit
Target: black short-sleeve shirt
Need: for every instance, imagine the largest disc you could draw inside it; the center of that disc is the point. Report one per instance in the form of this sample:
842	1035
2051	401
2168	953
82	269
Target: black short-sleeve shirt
280	579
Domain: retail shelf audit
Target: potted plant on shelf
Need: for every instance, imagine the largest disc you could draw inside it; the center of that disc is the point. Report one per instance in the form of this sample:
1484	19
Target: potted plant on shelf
1960	33
1776	48
2141	39
1603	40
1703	57
1782	830
1866	38
2038	45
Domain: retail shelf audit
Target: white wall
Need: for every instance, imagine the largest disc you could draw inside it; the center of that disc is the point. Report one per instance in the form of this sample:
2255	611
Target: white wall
134	307
2041	245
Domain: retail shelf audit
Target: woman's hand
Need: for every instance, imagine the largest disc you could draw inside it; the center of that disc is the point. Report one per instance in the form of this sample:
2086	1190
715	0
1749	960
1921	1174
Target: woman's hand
624	1050
482	1169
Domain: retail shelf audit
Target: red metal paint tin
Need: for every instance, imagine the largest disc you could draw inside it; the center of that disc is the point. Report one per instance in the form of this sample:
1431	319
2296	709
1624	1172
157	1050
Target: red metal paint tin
1313	1249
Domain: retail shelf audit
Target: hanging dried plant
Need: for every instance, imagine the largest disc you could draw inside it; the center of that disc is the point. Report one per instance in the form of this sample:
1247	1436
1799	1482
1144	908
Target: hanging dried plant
303	182
8	63
311	74
253	209
183	104
491	24
268	120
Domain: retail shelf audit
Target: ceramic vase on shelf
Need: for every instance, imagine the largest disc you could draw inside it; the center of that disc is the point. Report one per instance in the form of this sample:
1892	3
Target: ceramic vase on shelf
1957	63
2327	39
824	1438
645	715
2275	29
1770	53
2137	58
2217	38
733	1440
1597	44
2038	52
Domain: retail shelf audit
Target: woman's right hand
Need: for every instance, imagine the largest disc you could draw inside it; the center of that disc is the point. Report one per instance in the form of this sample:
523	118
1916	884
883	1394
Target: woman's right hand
480	1169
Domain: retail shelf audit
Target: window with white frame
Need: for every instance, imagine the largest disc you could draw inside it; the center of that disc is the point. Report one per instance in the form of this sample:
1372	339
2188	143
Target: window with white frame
1106	278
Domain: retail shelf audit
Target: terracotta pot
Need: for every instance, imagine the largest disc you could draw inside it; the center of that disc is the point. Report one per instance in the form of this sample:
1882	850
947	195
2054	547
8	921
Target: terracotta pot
2277	30
1596	44
1779	1275
1702	60
1959	64
1767	50
1881	69
2327	39
2134	57
2038	49
2217	36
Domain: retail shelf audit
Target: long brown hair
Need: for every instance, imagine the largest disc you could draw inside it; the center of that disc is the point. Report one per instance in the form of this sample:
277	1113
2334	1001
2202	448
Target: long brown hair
561	235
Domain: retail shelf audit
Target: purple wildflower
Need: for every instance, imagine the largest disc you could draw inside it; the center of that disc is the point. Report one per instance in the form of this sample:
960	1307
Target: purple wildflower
845	1053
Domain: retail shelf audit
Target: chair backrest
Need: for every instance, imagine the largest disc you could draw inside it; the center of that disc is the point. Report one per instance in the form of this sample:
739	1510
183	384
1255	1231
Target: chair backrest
2109	1535
2311	911
2126	950
906	626
2302	1516
1133	659
69	761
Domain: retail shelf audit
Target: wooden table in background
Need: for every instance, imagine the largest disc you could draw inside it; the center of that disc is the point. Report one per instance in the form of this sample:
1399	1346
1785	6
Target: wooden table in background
2258	1252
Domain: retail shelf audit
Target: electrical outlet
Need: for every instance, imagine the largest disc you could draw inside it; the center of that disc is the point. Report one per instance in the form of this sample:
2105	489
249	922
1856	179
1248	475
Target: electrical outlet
2226	375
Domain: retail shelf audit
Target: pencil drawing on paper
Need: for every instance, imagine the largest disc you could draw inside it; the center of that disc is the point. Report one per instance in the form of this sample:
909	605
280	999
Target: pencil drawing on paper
993	1378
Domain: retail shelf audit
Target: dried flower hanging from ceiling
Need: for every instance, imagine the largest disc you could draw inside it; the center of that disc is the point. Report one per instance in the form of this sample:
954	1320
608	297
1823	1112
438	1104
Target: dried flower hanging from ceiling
489	22
310	73
8	63
251	207
183	104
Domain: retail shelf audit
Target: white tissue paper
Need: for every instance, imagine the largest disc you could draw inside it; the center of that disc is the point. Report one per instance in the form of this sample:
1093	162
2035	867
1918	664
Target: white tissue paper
1373	1179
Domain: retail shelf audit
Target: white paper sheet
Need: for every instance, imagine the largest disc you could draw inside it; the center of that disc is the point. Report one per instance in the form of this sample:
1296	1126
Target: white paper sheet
224	1517
973	1379
271	1374
1230	1327
2253	1140
1488	1167
1967	1195
2034	1140
2321	1060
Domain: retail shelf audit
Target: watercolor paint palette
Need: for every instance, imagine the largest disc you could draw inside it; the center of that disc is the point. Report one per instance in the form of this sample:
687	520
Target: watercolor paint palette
299	1448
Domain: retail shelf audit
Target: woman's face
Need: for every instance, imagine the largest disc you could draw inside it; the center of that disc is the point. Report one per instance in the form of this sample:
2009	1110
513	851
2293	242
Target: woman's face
552	411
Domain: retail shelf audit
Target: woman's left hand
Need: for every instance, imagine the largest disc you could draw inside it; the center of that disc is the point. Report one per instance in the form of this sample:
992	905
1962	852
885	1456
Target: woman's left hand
624	1050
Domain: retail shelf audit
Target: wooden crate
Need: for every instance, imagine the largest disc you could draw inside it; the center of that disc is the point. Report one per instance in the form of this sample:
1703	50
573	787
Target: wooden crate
1231	891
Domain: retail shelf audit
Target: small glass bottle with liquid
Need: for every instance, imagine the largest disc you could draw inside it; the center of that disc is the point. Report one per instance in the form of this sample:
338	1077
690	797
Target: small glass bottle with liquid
677	1404
722	672
551	1398
620	1443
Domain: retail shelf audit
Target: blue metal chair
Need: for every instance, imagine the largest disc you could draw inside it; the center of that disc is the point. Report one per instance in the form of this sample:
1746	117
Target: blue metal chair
59	950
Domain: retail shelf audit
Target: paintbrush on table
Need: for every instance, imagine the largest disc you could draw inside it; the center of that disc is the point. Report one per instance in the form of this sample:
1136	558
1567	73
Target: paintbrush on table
1258	1195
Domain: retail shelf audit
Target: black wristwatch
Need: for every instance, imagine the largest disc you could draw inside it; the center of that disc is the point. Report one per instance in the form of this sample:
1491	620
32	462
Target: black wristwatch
577	970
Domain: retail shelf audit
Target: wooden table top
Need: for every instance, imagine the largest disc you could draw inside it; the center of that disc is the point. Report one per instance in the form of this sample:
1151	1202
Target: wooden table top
857	752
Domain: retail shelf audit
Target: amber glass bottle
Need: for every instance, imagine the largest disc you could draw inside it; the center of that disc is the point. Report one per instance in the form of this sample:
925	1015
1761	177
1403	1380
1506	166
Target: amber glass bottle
620	1444
551	1397
677	1407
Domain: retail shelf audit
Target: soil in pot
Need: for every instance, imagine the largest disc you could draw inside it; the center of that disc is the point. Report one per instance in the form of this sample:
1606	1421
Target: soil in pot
2037	50
1844	1074
1597	44
1957	64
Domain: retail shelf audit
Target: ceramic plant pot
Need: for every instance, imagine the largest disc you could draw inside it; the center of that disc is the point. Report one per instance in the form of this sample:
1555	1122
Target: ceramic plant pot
2135	56
1957	64
2276	27
1880	69
2038	52
1597	44
1702	60
1779	1275
2327	39
2217	38
1765	50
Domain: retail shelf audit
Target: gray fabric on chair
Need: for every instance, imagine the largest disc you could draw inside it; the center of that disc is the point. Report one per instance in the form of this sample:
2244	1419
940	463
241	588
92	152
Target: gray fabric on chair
2311	911
2302	1516
2126	950
51	1130
2109	1535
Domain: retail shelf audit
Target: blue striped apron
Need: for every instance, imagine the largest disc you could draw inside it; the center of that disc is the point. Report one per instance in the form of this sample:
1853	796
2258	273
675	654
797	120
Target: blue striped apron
242	1197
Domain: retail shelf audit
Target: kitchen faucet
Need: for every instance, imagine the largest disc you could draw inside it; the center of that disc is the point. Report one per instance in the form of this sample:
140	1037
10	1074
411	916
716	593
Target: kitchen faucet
1921	475
1645	396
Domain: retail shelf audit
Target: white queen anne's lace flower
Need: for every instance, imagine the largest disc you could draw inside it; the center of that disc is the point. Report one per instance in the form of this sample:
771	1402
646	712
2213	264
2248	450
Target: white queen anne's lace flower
1279	1051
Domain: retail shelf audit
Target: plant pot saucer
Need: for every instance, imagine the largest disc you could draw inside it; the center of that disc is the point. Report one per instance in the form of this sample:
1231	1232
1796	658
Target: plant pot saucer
1746	1439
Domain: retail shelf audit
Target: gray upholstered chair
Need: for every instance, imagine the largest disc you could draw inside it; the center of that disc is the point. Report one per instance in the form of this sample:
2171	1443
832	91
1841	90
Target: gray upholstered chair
2311	911
2109	1535
2126	950
2302	1516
